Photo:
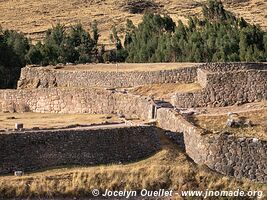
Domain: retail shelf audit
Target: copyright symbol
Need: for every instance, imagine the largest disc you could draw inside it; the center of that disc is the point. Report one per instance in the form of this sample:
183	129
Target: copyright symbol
95	192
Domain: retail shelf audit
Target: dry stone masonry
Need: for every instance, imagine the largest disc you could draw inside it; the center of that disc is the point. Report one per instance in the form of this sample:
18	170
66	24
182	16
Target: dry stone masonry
223	83
42	77
225	153
42	149
49	90
226	84
75	100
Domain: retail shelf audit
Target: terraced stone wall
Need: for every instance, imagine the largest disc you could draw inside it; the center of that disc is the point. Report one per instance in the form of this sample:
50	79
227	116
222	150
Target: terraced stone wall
42	149
225	153
226	84
42	77
76	100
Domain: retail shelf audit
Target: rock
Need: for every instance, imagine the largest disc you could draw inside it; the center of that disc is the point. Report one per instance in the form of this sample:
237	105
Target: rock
238	103
230	114
18	173
255	140
120	115
229	170
231	123
11	118
18	126
248	123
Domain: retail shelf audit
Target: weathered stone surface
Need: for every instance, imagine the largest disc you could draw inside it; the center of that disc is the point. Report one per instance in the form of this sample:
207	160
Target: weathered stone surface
41	77
76	100
223	84
229	155
40	149
226	84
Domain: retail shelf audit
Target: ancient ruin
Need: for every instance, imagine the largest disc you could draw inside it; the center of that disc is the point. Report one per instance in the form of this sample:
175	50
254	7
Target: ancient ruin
62	89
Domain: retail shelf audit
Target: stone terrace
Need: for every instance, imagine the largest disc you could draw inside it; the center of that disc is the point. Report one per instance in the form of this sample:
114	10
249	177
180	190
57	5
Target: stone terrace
106	76
226	84
64	90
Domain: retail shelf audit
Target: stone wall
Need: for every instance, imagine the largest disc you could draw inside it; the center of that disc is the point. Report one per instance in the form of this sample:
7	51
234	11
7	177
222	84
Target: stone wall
195	146
41	149
238	66
42	77
238	157
226	84
62	92
223	83
76	100
225	153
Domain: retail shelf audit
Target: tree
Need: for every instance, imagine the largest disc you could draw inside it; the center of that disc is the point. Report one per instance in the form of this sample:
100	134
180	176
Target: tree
220	36
119	54
81	45
96	36
95	31
52	49
114	38
60	45
130	28
13	48
145	39
34	55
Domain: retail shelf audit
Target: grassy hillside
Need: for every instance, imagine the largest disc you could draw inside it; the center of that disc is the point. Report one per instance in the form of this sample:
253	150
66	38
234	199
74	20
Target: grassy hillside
170	168
35	17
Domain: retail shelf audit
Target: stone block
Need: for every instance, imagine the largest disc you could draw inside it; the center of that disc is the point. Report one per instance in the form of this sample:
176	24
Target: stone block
18	126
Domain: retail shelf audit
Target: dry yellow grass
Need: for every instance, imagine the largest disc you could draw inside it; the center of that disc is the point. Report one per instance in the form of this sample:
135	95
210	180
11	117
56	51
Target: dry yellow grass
164	91
35	17
170	169
125	67
40	120
217	123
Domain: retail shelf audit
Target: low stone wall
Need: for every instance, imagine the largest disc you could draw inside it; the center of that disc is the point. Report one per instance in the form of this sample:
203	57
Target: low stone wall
76	100
227	154
236	83
195	146
42	77
233	66
41	149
